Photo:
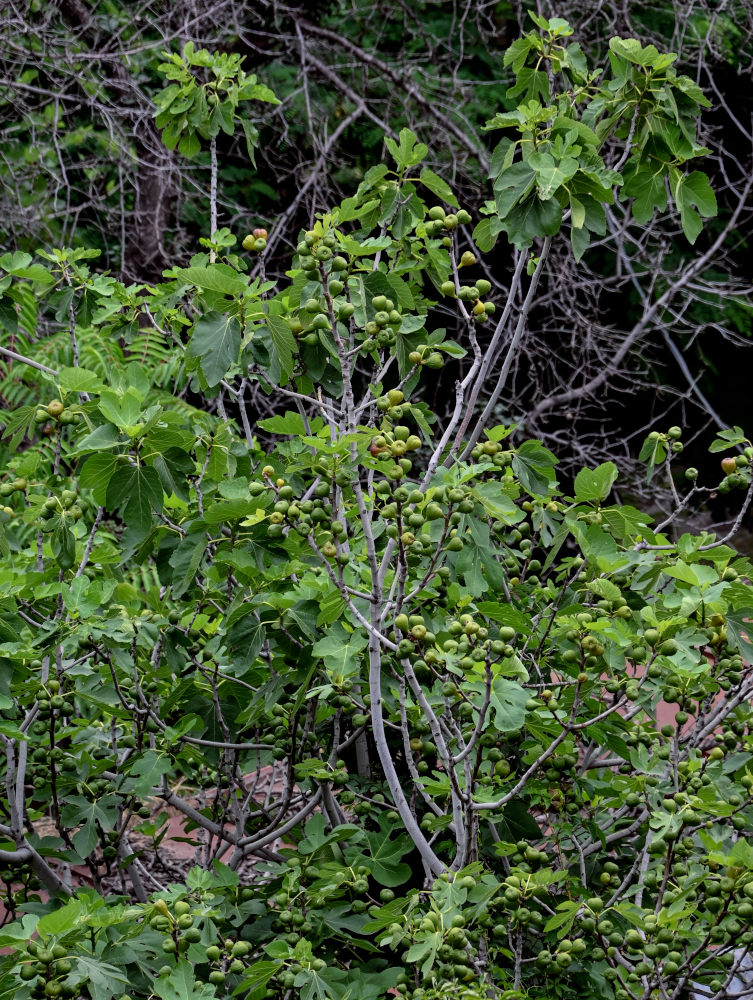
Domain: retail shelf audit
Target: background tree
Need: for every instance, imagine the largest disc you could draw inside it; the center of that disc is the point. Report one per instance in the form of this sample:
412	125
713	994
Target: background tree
643	320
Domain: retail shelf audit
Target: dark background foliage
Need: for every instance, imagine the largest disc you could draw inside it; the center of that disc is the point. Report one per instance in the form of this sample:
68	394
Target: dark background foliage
81	163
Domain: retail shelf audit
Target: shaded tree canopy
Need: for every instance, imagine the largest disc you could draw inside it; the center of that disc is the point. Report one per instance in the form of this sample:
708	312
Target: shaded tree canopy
83	163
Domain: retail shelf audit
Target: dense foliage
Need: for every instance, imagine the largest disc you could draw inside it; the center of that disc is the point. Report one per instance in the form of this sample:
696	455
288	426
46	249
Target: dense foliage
402	684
